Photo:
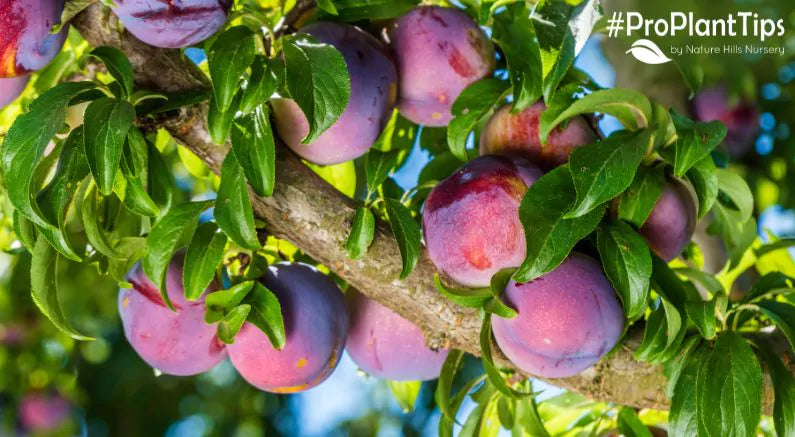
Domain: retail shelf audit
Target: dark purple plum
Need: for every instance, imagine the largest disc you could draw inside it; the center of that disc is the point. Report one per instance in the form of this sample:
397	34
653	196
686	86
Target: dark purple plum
439	52
172	23
315	323
568	320
26	44
385	345
671	224
43	412
11	88
741	117
471	219
373	93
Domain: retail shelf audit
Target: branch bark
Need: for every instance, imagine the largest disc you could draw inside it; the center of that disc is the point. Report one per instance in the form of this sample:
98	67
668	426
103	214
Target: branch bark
314	216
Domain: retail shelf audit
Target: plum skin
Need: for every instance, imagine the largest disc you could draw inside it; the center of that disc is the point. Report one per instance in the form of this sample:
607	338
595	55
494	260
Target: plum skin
315	323
42	412
439	52
26	44
373	78
507	133
176	343
741	118
170	24
671	224
568	320
471	219
11	88
385	345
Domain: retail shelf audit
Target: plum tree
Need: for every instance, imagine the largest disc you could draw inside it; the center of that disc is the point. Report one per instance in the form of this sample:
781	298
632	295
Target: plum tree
42	412
741	118
26	44
439	52
671	224
517	134
170	24
315	325
11	88
177	343
568	319
471	219
373	92
384	344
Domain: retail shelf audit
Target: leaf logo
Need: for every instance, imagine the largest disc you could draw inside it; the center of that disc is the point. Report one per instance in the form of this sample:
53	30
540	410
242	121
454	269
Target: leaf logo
647	52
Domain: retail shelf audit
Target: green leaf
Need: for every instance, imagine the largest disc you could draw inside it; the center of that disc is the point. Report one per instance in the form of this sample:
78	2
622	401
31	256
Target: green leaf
105	131
702	314
662	333
550	237
629	424
627	263
219	122
493	374
474	102
704	178
735	188
261	85
783	390
528	418
129	186
515	33
783	315
377	167
25	231
603	170
266	314
632	109
407	233
229	56
44	288
683	418
230	325
356	10
767	284
220	302
252	141
92	219
26	140
327	6
204	255
317	80
675	367
639	200
444	384
497	286
159	180
70	10
695	141
233	210
117	65
169	234
729	389
468	297
362	233
405	393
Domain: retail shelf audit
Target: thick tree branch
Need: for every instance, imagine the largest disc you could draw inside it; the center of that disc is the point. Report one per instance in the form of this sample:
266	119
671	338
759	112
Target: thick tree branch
317	218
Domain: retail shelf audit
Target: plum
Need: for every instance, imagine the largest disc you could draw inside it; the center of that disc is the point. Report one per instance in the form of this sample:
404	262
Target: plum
11	88
172	23
385	345
471	219
439	52
177	343
568	319
26	44
517	134
43	412
671	224
315	324
373	92
741	118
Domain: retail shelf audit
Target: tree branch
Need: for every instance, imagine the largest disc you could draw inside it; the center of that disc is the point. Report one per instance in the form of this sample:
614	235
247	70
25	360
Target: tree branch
314	216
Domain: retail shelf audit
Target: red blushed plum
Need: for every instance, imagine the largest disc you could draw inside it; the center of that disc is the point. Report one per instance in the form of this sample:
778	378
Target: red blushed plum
517	134
568	320
386	345
177	343
671	224
315	324
11	88
172	23
439	52
39	412
741	118
26	44
373	93
471	219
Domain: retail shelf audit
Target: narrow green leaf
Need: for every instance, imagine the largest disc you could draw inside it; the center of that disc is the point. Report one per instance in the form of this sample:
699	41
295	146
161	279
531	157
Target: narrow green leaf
266	314
497	286
783	315
629	424
362	233
640	199
377	167
702	314
160	182
683	417
468	297
515	33
327	6
230	325
219	122
675	367
261	85
444	384
470	107
229	56
695	141
493	374
117	65
204	255
736	189
252	141
528	418
407	232
105	131
627	263
405	393
233	210
704	178
93	225
220	302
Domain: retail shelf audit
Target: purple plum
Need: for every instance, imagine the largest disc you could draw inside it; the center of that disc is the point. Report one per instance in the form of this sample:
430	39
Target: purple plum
741	118
385	345
41	412
172	23
671	224
26	44
373	93
315	324
471	219
11	88
568	320
439	52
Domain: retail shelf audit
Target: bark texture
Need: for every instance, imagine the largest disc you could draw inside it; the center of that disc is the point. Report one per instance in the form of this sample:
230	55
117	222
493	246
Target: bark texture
314	216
